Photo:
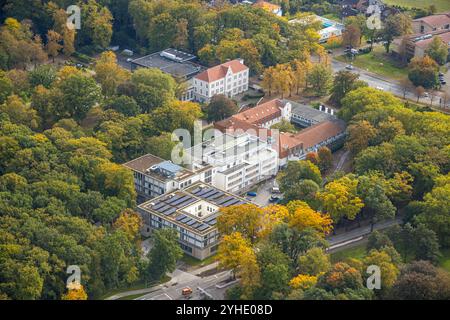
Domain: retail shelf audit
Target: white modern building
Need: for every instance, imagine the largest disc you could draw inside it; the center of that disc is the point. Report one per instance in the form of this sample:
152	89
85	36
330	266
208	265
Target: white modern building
229	78
154	176
238	161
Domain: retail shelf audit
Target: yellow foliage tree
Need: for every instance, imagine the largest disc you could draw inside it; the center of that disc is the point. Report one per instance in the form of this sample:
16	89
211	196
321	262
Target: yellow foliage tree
108	73
231	250
339	199
303	282
130	222
271	216
244	219
75	293
305	217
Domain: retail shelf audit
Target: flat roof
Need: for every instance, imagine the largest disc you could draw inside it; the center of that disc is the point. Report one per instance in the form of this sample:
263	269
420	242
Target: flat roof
170	206
310	113
174	62
166	170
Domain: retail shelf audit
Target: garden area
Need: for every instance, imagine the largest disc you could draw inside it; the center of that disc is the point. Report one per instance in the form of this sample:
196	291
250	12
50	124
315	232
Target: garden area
441	5
377	62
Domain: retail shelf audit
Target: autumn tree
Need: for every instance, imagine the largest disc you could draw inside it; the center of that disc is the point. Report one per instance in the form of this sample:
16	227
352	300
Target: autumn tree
423	72
53	44
325	159
220	107
438	50
352	36
108	73
75	294
340	200
244	219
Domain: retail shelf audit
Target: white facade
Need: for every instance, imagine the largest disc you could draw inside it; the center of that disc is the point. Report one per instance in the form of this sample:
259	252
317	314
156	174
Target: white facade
229	84
238	162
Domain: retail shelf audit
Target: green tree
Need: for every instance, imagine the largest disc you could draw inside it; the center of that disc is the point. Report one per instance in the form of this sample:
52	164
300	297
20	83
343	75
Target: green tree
164	254
78	94
220	107
438	50
320	79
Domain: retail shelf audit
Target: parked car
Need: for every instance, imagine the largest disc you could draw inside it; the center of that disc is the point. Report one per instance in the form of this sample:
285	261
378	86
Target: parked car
274	199
443	83
275	190
349	67
251	194
330	51
129	59
380	88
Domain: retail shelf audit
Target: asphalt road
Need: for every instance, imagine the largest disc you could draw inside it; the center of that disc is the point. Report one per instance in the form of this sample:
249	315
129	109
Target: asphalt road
387	85
172	291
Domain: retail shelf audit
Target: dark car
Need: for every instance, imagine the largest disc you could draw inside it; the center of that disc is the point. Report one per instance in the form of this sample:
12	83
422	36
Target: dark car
443	83
274	199
251	194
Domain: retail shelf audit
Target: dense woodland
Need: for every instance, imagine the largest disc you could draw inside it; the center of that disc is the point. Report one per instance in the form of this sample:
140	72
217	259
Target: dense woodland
66	200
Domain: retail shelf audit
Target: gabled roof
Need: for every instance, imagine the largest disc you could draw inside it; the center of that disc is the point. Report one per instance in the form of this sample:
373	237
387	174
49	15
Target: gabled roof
436	20
220	71
262	113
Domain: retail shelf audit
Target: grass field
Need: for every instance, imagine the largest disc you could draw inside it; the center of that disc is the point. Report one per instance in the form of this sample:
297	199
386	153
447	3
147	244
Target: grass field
357	252
441	5
444	262
193	262
379	63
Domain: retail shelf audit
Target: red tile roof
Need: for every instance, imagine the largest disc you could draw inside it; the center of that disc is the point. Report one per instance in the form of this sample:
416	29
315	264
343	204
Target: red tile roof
220	71
310	136
436	20
425	43
261	113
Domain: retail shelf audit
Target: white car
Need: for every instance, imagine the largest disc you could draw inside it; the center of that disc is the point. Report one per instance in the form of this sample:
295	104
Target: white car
380	88
129	60
349	67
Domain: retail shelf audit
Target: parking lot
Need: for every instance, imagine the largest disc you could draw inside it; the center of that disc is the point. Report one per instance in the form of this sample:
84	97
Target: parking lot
263	193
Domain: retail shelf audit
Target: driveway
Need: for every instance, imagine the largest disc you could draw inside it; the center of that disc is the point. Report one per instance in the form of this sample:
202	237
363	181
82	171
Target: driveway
263	193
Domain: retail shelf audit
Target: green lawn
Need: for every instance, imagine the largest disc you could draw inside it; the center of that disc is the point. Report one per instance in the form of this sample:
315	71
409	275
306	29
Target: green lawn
379	63
356	252
193	262
444	262
441	5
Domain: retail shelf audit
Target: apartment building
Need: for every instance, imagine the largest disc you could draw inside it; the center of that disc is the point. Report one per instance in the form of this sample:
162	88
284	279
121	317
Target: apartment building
238	161
154	176
432	23
193	213
229	78
416	45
